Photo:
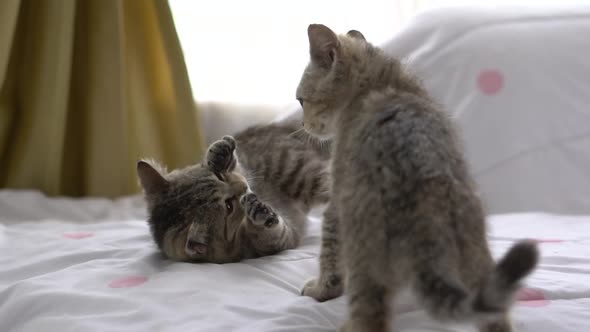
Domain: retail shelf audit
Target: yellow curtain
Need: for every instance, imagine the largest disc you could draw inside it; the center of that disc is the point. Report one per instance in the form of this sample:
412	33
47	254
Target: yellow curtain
88	87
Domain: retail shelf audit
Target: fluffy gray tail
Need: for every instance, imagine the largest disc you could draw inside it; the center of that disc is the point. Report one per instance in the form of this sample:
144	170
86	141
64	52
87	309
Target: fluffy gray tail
448	299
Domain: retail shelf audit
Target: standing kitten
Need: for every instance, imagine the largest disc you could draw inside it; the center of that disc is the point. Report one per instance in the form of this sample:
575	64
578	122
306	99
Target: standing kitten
203	213
403	203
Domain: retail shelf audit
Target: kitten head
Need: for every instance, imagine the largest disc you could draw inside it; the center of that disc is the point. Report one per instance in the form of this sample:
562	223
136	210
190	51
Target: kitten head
330	81
195	211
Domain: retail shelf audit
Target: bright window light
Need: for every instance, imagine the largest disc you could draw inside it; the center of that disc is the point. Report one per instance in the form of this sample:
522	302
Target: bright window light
254	51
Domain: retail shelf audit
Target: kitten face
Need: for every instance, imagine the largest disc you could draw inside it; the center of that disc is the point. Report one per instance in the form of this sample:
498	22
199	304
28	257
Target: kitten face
325	88
319	108
194	212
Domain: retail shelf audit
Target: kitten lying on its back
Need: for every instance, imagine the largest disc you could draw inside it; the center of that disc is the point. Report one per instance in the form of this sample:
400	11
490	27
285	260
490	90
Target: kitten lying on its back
203	213
403	206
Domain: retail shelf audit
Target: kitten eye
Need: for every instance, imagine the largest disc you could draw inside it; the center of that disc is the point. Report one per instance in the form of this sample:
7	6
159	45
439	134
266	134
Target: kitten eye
229	205
300	100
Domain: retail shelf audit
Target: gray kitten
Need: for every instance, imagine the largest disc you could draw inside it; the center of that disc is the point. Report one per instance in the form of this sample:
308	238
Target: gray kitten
403	205
205	212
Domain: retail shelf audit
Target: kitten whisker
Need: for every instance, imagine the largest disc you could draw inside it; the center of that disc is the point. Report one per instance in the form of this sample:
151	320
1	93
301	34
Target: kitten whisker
296	132
250	179
254	174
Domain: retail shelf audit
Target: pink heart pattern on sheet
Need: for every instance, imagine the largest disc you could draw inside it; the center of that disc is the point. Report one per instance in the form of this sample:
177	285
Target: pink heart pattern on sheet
531	297
490	81
128	282
77	235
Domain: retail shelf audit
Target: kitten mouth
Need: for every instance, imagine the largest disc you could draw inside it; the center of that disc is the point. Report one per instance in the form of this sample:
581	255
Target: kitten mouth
239	185
195	247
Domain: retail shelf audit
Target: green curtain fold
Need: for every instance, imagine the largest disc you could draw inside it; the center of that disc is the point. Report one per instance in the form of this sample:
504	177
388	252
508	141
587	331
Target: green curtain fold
88	87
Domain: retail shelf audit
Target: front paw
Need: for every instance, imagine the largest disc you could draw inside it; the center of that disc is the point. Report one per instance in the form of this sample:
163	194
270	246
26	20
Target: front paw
230	140
323	290
258	213
220	155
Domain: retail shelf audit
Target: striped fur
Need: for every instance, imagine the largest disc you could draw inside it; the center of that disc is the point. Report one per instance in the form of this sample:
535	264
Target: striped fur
249	197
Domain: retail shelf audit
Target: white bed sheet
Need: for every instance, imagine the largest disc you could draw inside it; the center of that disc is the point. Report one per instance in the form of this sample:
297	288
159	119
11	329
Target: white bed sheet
90	265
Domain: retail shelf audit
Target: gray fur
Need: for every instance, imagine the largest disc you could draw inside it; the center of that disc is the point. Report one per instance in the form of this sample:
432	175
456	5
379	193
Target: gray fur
249	198
403	210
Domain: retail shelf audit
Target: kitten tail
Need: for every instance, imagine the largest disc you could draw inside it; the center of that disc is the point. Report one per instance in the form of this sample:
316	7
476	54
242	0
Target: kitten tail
498	292
447	299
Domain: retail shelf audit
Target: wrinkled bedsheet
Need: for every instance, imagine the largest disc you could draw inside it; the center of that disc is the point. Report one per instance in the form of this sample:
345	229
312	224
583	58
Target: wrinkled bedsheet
90	265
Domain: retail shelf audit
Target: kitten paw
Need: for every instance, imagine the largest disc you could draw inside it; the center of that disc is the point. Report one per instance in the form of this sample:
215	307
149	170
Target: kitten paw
258	213
220	155
323	289
230	140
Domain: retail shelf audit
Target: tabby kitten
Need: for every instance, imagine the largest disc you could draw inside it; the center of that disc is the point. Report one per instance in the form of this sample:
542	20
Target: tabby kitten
403	205
205	212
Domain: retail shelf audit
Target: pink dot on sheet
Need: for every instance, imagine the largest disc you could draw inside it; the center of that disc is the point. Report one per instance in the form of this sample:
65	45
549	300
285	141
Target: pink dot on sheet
530	297
78	235
490	81
127	282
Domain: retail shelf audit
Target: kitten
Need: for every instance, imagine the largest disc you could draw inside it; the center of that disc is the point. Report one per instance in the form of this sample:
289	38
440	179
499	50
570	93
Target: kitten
205	212
403	204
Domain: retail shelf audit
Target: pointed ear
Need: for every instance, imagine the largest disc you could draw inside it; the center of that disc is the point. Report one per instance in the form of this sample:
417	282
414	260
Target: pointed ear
323	45
151	180
356	34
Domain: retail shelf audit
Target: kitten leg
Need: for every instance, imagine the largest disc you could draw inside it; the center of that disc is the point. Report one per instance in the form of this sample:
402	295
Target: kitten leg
502	325
329	285
368	301
268	232
475	271
476	274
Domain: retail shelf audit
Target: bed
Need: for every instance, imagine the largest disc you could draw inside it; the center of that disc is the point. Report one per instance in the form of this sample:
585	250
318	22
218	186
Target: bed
90	265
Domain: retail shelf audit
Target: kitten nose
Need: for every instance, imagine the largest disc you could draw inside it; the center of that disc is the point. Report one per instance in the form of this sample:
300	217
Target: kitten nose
196	247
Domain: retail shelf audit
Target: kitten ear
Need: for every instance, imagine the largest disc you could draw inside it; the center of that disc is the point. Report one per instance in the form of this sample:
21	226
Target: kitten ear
323	44
356	34
151	180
